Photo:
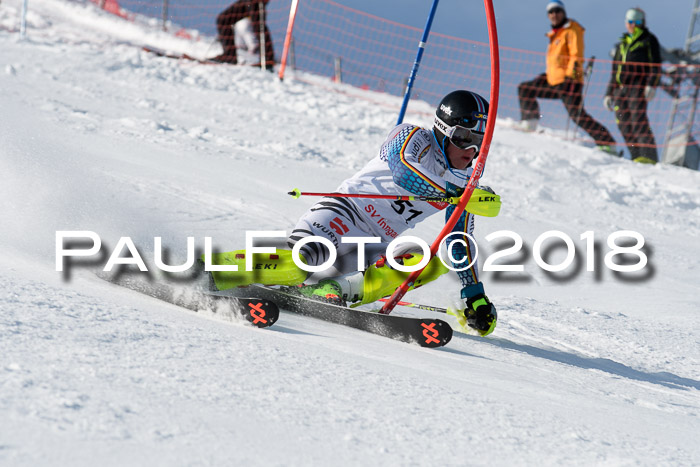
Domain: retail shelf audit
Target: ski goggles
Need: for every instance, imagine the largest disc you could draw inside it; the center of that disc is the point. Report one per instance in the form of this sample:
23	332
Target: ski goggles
634	21
462	137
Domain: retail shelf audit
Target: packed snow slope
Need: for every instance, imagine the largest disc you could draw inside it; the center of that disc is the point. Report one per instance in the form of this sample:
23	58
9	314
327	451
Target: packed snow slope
584	367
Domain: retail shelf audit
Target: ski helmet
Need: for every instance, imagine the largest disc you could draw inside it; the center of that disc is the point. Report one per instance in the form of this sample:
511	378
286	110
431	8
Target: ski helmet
461	119
635	15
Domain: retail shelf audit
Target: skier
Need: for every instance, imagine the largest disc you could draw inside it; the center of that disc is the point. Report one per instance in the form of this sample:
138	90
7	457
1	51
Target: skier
232	15
633	80
433	162
563	79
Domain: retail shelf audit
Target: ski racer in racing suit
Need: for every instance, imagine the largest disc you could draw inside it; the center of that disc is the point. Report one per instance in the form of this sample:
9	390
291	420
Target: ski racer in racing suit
412	161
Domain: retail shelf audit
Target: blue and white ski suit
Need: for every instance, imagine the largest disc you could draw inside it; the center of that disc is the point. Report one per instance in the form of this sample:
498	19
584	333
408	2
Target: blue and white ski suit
410	162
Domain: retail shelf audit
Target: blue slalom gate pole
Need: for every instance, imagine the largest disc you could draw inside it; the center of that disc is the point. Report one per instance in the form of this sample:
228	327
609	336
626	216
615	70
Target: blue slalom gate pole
416	64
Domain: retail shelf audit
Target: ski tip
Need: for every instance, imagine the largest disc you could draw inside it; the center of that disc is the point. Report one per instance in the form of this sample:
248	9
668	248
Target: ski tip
260	313
436	333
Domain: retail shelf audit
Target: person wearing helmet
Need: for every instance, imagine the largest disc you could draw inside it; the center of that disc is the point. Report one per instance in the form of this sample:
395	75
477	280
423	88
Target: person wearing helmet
433	162
635	74
563	79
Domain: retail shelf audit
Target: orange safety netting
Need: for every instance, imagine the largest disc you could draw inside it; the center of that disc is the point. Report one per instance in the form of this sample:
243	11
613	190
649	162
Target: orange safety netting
374	53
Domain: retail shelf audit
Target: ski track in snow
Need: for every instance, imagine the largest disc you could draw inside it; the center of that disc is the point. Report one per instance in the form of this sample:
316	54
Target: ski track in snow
584	368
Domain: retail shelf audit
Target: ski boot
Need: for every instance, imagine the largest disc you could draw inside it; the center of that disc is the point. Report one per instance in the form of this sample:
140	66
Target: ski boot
609	149
378	281
381	280
644	160
481	314
327	290
267	269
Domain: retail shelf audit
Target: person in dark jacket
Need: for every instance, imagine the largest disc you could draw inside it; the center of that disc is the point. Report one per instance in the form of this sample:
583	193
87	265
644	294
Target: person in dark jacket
563	79
230	16
635	74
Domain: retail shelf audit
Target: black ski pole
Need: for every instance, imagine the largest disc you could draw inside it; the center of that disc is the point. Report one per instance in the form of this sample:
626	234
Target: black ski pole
587	72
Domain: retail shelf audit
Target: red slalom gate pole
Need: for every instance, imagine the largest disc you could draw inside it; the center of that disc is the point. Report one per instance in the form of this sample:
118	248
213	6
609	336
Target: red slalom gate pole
478	167
288	37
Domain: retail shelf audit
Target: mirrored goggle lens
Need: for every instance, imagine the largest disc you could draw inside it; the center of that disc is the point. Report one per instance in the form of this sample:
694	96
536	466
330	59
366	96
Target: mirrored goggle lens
464	138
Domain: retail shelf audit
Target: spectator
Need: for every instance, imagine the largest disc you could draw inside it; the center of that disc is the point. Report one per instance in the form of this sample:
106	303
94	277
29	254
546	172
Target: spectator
563	79
633	80
232	15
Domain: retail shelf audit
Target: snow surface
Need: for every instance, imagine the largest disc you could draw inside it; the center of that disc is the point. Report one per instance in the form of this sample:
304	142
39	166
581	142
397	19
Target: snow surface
584	367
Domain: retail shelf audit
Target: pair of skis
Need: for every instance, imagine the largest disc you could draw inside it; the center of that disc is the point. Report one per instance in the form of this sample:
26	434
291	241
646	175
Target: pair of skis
423	331
260	306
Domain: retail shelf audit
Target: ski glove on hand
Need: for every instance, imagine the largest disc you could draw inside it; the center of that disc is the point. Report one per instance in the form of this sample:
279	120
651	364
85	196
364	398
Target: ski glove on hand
608	103
481	314
649	92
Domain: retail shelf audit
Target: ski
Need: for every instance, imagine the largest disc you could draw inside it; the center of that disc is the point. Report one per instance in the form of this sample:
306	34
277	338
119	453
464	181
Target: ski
178	56
425	332
261	312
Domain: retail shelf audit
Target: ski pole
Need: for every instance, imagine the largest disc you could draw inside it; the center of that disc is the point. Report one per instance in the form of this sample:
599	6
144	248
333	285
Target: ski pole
459	316
482	203
436	309
296	193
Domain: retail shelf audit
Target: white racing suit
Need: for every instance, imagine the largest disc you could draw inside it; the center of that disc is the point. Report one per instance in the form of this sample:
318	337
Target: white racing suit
410	162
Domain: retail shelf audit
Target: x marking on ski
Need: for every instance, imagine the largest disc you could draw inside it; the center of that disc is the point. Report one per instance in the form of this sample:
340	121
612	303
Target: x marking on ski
257	312
428	338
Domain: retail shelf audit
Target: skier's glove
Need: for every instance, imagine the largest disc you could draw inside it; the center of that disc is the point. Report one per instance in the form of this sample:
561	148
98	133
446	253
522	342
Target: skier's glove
481	314
608	103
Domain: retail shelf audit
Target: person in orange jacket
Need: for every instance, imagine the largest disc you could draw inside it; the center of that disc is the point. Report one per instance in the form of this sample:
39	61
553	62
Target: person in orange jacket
563	79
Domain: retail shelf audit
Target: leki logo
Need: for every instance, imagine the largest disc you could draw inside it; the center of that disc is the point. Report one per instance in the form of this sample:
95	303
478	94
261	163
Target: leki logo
430	338
339	227
257	312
